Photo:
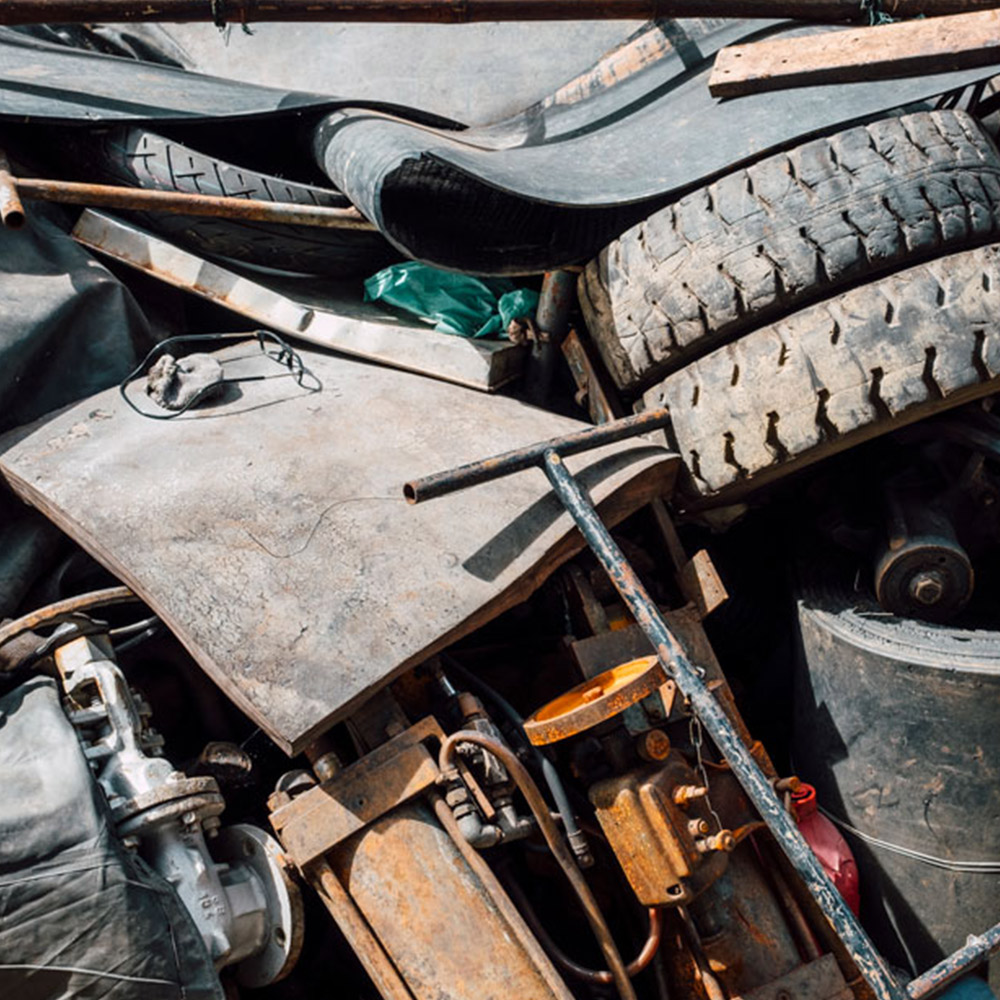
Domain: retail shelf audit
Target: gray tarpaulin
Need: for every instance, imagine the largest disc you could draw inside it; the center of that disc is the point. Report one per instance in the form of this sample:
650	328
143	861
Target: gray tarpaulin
80	917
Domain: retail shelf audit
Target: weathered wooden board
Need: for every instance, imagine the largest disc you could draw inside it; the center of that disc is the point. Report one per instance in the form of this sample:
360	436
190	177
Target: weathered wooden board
909	48
270	533
334	317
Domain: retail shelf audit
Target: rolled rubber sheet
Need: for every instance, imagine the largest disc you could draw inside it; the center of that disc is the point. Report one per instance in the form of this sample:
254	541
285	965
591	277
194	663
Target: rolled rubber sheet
554	184
547	187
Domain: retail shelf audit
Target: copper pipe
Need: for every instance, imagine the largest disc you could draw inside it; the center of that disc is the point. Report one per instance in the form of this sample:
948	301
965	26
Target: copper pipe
52	613
11	209
175	203
557	845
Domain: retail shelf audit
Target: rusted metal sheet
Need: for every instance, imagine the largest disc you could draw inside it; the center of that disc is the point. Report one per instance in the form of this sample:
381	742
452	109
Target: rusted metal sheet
269	532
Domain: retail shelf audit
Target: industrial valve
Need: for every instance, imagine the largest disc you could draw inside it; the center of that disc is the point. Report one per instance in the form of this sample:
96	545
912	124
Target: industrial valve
245	908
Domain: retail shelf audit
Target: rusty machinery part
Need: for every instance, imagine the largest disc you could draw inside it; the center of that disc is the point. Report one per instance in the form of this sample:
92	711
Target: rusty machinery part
560	851
247	912
576	837
595	701
923	571
61	611
663	831
926	577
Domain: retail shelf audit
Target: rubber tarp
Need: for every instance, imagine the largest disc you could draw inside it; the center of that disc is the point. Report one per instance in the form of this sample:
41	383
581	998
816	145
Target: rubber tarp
554	184
81	918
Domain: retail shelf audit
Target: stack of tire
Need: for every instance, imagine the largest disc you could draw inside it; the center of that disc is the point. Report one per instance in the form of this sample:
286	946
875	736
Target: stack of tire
788	311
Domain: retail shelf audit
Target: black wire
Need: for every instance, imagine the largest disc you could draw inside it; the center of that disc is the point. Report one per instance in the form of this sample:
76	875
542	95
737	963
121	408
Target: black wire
284	355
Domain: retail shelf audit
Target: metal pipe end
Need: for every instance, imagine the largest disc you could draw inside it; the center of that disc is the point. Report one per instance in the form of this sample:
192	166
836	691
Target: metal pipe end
410	493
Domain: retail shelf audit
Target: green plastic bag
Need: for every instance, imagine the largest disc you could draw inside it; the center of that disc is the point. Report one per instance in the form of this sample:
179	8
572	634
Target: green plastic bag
454	303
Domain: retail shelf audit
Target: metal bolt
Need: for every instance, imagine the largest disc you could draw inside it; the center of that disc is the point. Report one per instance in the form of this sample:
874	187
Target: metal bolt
698	827
683	794
722	841
927	587
654	745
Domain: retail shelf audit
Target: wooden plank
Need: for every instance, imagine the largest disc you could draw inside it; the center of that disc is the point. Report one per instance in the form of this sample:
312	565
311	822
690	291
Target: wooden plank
908	48
329	314
270	533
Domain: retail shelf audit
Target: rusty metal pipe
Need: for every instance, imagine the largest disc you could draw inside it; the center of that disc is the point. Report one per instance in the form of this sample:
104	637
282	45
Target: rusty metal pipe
557	845
171	202
453	11
978	948
11	209
52	613
442	483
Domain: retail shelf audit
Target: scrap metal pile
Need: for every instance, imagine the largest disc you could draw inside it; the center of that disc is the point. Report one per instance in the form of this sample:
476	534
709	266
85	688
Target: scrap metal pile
549	556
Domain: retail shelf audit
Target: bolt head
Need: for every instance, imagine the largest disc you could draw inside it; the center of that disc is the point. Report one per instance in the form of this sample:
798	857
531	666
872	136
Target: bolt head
927	588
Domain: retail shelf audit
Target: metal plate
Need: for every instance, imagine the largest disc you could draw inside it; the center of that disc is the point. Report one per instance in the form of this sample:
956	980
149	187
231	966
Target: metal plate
271	534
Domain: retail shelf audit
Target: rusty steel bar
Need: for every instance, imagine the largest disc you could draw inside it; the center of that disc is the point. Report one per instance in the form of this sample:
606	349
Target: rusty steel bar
455	11
977	949
718	725
53	613
442	483
176	203
11	209
538	806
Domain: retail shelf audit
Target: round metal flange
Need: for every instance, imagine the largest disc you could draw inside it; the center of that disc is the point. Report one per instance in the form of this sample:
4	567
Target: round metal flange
172	799
594	701
929	578
243	844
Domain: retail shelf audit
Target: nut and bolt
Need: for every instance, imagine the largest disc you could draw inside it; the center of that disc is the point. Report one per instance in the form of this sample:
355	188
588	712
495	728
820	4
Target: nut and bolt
721	841
683	794
654	745
927	587
698	827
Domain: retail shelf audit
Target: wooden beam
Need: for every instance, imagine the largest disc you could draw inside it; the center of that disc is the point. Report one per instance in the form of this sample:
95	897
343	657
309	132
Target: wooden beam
453	11
909	48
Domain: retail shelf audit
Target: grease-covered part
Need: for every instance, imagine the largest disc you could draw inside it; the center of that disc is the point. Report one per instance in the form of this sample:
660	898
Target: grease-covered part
897	728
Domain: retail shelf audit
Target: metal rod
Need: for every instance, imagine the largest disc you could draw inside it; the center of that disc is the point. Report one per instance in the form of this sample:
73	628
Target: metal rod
539	808
978	948
454	11
418	490
647	615
171	202
11	209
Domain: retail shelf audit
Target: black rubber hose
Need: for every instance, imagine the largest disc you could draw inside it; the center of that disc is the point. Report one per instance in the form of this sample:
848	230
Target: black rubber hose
576	836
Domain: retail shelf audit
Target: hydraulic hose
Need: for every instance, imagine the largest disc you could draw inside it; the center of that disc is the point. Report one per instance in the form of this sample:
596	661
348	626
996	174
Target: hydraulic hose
562	854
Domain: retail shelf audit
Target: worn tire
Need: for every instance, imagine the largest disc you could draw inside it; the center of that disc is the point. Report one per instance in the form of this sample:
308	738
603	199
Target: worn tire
796	227
138	158
838	372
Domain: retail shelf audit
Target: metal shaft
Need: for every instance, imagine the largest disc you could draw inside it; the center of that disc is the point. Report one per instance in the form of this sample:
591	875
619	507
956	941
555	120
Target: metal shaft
939	977
454	11
869	962
418	490
171	202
